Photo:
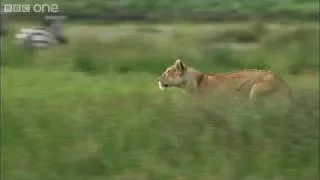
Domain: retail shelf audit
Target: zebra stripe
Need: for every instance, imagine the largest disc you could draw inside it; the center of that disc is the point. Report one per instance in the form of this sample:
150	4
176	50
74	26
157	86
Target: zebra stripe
38	38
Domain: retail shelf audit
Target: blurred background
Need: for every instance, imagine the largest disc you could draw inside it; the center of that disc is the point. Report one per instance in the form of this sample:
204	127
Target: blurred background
80	98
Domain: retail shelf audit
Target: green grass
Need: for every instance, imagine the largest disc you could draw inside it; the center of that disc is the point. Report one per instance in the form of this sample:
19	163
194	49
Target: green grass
92	109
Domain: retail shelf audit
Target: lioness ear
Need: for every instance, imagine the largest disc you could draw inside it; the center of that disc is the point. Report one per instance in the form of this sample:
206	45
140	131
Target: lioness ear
180	65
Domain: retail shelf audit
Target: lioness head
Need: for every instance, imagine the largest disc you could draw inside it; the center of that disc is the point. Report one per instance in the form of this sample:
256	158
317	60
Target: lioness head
174	76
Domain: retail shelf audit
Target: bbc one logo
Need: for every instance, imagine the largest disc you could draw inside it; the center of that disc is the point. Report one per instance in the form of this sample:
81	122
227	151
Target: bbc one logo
31	8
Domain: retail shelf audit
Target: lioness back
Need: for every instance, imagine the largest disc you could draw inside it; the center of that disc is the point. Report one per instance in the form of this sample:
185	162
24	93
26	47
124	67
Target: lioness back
244	81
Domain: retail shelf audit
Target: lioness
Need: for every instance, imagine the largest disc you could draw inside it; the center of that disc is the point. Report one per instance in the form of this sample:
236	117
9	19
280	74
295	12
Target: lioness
250	84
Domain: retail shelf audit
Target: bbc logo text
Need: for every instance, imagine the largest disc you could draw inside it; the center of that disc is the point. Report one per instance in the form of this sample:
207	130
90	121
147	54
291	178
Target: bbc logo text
31	8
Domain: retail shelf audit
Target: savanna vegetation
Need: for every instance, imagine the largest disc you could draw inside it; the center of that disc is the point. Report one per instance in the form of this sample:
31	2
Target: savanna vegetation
92	109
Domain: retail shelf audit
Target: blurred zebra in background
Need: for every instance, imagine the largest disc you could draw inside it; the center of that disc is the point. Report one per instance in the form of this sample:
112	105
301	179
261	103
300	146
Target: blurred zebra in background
49	33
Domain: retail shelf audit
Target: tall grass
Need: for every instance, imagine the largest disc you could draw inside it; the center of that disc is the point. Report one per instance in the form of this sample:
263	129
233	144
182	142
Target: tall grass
92	110
60	125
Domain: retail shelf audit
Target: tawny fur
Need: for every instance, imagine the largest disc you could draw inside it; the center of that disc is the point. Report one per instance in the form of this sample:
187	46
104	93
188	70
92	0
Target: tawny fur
250	83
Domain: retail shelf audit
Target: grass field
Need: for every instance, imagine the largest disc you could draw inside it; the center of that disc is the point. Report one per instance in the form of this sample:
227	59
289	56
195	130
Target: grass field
92	109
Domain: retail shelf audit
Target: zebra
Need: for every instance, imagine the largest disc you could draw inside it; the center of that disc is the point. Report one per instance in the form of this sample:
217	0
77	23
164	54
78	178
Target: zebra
49	33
